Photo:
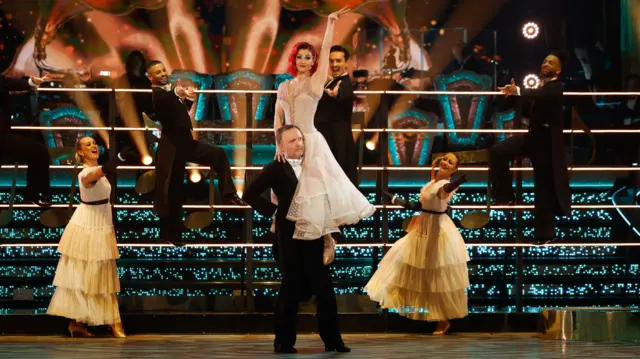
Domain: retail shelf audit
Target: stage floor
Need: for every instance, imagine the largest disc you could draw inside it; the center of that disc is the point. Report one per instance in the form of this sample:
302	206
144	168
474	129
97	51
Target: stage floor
521	346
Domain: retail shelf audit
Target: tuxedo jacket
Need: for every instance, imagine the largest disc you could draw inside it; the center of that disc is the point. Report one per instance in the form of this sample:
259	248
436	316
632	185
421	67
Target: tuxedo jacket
173	115
280	178
340	108
175	141
544	105
8	84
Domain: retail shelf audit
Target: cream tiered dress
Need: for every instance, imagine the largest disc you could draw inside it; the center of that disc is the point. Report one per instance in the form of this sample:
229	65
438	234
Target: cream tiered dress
424	275
86	278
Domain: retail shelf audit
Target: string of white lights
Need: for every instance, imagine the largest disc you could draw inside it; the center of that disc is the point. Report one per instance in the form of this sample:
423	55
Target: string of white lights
269	130
343	245
365	92
363	168
380	206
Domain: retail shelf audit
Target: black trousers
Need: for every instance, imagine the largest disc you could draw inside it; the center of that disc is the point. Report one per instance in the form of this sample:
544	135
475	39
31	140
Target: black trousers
201	153
537	147
304	258
22	149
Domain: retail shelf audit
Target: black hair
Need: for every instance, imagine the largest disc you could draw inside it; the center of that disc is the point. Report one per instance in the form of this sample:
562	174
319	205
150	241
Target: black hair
338	48
153	63
563	56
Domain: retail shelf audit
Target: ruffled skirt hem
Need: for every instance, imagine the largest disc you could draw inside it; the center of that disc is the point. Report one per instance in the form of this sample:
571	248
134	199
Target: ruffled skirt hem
100	309
432	307
90	278
89	244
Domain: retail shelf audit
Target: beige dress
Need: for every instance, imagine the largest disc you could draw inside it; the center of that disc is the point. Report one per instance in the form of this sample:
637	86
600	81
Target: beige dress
424	275
86	278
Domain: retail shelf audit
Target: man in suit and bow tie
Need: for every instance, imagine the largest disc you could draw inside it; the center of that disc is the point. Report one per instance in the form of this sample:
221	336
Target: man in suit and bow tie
299	261
23	149
177	147
333	116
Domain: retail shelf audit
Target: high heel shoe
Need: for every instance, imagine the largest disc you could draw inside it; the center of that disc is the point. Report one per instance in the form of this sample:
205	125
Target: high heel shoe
117	331
443	331
78	329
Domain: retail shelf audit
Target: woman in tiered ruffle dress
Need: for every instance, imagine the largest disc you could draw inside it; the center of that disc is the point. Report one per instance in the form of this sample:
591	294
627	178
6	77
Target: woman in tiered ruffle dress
424	275
86	278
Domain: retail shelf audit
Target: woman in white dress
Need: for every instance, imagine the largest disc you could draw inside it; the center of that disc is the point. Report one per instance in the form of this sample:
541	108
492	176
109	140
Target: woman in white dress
424	275
325	198
86	278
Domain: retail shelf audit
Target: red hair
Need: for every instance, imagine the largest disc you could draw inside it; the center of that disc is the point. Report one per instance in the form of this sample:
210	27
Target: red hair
292	57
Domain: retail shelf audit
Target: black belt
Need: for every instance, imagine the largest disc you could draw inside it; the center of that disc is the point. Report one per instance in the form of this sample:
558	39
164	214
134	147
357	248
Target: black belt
95	203
434	212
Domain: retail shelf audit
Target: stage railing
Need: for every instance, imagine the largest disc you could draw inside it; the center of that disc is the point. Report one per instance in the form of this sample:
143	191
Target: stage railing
381	223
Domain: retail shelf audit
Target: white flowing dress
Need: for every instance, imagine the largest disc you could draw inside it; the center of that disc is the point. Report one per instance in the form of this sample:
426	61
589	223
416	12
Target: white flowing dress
325	198
424	275
86	278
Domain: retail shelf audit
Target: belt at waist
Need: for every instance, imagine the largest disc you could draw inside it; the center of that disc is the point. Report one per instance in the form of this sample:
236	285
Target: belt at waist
434	212
95	203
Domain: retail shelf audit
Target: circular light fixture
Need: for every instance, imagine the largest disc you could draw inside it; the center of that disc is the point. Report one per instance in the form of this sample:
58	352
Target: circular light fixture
147	160
195	176
531	81
530	30
370	145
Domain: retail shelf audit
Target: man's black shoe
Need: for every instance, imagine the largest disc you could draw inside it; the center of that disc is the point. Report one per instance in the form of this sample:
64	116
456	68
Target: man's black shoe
234	200
39	201
338	349
284	349
543	241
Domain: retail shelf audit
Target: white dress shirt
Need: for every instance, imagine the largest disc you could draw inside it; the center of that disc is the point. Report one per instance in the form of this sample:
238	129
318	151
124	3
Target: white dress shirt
296	164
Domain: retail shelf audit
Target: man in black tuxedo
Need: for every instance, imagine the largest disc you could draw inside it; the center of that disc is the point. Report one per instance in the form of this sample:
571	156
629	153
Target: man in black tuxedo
299	261
177	146
15	147
544	145
333	116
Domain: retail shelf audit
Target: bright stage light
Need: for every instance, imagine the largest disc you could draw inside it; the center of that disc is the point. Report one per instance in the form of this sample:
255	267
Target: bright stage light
531	81
195	176
371	145
530	30
147	160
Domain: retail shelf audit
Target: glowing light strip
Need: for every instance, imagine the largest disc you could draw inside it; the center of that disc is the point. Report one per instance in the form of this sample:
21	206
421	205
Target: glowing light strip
364	168
624	217
61	128
453	93
134	90
73	89
379	206
460	93
367	130
349	245
235	91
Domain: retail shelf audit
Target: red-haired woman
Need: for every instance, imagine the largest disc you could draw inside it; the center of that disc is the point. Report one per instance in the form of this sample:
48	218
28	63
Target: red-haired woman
325	198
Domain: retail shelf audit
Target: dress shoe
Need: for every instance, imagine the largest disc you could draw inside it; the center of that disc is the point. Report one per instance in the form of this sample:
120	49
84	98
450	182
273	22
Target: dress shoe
177	243
287	349
442	329
117	331
78	330
541	241
503	202
172	237
338	349
39	201
234	200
